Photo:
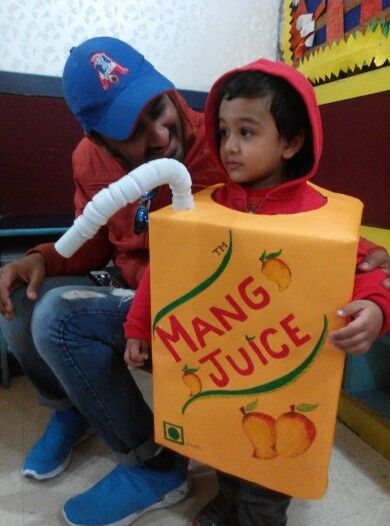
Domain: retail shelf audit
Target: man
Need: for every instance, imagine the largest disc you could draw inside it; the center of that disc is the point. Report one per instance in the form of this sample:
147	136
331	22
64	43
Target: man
69	339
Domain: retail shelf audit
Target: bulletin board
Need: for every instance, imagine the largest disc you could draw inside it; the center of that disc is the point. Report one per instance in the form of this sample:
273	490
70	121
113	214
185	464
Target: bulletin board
334	39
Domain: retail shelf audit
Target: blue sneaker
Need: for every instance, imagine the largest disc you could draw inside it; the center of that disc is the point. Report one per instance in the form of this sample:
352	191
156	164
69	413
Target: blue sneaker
126	493
51	454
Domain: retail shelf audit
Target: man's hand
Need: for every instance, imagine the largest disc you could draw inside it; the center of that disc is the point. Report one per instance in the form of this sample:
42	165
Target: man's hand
377	258
28	270
137	352
361	332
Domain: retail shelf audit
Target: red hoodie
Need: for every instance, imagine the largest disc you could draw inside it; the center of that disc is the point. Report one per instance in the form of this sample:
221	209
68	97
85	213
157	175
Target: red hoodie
288	198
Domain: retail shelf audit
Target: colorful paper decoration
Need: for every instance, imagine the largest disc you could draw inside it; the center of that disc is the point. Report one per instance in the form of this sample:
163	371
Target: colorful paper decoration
369	9
333	39
334	20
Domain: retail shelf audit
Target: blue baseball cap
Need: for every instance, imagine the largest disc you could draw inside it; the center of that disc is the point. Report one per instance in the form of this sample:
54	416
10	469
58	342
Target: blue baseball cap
107	83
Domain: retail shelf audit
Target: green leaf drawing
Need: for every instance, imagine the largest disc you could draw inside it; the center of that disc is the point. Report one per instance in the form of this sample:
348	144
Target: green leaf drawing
305	408
272	255
187	369
250	407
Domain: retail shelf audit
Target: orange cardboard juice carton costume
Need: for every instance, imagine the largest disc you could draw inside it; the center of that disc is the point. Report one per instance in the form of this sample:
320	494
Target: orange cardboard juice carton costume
244	378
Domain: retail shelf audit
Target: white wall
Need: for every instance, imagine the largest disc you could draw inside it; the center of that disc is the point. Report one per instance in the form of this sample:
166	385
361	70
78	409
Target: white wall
191	41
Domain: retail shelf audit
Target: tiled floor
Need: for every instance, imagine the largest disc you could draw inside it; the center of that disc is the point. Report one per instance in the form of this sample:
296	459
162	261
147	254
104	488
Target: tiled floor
358	495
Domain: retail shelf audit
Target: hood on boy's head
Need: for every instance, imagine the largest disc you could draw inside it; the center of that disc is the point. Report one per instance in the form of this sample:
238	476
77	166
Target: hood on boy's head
278	69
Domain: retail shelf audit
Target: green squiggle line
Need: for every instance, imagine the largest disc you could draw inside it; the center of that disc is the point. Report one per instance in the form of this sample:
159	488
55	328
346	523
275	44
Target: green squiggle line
199	288
269	386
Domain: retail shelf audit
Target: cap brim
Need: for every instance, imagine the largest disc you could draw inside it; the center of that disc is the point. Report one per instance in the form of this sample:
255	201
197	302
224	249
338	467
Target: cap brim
121	117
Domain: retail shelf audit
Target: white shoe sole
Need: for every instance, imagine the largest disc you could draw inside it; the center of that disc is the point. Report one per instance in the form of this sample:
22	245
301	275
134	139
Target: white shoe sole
169	499
30	473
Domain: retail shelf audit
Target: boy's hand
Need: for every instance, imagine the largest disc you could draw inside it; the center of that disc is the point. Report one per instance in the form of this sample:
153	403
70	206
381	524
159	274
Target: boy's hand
360	333
137	352
377	258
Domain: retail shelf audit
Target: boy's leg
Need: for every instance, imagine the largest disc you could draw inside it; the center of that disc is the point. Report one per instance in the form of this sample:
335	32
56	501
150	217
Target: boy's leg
241	503
259	506
222	510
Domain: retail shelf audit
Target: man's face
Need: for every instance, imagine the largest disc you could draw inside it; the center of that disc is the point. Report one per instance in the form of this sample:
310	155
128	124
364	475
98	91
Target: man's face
158	134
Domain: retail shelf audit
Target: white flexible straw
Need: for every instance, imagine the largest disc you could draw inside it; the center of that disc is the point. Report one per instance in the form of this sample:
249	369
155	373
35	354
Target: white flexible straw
127	190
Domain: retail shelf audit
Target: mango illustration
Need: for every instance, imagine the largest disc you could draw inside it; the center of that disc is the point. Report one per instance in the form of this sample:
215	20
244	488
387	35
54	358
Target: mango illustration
260	429
294	432
275	269
192	380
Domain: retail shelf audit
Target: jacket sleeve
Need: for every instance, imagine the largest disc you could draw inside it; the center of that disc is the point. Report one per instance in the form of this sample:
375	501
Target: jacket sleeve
368	285
94	254
138	321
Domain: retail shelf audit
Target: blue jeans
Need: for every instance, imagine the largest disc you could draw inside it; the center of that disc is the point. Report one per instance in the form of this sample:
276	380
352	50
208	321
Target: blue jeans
70	344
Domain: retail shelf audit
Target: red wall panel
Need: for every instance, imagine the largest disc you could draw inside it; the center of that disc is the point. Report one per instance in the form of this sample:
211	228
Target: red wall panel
356	155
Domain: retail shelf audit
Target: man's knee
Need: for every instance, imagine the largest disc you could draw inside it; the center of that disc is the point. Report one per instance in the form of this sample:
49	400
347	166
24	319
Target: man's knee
50	310
53	302
62	313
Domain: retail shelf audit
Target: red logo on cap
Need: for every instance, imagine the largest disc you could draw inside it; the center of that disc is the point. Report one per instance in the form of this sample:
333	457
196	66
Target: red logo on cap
108	70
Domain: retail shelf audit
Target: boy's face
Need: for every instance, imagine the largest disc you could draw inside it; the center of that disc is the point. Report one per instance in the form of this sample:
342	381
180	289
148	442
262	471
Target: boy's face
252	151
158	134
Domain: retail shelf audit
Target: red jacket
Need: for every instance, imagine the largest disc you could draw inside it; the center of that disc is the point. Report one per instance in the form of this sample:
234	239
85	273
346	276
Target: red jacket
94	169
288	198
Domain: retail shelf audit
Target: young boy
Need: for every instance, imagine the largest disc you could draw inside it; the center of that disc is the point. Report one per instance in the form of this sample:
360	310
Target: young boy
263	126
